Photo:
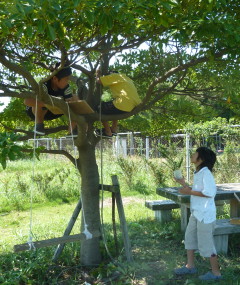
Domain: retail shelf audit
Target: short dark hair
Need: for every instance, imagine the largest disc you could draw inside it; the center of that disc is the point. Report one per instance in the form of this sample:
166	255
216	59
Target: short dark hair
66	71
111	72
207	156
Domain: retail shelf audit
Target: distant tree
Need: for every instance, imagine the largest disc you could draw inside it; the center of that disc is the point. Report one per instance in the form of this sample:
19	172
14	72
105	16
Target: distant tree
87	35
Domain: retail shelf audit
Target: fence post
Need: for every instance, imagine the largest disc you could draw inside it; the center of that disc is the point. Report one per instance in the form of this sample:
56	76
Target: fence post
147	148
48	141
188	157
131	144
60	144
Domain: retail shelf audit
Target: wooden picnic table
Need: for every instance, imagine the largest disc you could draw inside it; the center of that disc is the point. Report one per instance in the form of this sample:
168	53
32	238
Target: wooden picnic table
225	192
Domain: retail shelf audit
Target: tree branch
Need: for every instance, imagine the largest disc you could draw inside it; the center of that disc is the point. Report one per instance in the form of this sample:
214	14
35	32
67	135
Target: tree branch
176	69
167	91
62	152
30	134
18	69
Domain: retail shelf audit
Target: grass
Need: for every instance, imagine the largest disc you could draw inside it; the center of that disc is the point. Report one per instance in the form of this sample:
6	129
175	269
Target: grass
157	249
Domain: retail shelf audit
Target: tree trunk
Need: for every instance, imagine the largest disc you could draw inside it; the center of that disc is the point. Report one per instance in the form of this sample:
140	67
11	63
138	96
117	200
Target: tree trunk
90	249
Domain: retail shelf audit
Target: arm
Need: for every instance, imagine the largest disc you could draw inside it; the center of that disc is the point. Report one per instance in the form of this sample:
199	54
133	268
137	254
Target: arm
187	190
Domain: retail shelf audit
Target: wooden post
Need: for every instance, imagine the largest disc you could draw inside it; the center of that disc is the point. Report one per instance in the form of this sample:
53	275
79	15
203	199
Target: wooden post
123	223
68	230
163	216
114	223
221	243
185	213
234	208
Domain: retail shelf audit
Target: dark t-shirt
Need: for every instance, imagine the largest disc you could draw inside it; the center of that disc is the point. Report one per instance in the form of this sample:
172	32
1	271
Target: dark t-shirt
65	93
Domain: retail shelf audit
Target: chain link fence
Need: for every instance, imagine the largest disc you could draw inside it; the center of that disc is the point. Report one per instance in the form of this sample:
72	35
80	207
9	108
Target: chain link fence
135	144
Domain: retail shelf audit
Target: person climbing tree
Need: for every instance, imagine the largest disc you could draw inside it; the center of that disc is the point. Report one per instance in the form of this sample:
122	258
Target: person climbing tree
125	99
57	86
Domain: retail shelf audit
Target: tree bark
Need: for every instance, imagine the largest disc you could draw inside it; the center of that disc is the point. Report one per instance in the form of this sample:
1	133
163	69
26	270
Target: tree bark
87	165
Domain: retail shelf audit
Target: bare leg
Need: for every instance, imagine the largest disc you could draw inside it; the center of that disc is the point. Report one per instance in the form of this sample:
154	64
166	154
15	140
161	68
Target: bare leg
190	258
72	125
214	265
114	126
107	128
39	112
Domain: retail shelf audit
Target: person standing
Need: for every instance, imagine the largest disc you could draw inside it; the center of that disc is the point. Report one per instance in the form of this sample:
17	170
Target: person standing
200	228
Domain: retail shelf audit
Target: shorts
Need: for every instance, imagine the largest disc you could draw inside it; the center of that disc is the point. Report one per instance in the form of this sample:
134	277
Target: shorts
199	236
48	116
108	108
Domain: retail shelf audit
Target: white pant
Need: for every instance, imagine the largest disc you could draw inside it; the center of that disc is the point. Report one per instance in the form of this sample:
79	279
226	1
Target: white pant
199	236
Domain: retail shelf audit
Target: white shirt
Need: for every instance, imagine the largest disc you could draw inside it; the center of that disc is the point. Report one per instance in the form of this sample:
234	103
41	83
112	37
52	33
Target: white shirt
203	208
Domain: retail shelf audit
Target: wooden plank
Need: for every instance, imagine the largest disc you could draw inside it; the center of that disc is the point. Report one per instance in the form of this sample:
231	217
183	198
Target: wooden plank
110	188
53	241
123	223
55	110
161	205
235	221
173	194
68	230
224	227
224	192
80	107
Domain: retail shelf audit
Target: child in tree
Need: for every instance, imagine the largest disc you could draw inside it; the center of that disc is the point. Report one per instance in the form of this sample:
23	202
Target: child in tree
200	228
57	86
125	99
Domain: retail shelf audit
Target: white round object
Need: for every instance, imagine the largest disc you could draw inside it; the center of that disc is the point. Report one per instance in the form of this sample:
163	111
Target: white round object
177	174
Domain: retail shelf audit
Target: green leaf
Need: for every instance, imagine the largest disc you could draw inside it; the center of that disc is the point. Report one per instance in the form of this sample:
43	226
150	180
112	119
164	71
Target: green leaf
20	8
109	22
16	148
76	2
41	25
29	31
51	32
4	164
67	42
90	17
11	155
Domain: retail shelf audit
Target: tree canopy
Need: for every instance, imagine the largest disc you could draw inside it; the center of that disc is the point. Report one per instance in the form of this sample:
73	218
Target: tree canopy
188	59
36	33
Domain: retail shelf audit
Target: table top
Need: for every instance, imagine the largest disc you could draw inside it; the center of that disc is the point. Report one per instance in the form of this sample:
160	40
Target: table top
224	192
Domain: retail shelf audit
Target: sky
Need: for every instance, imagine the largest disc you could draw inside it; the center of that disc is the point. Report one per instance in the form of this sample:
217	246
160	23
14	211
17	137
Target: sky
4	100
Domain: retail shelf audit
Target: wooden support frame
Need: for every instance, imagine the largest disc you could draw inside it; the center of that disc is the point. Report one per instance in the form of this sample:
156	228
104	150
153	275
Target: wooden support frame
80	107
123	223
53	241
61	241
68	230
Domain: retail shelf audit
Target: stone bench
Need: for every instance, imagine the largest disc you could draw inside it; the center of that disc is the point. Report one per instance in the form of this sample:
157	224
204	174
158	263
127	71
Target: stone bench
162	209
223	229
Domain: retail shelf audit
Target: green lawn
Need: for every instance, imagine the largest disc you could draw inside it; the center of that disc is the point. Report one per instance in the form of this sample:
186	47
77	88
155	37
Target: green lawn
157	249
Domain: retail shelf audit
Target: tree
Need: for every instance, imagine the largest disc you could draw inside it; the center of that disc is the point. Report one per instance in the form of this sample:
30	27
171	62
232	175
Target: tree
87	34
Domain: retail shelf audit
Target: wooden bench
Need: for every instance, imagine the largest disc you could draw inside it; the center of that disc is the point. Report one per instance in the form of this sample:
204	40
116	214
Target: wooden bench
221	233
162	209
